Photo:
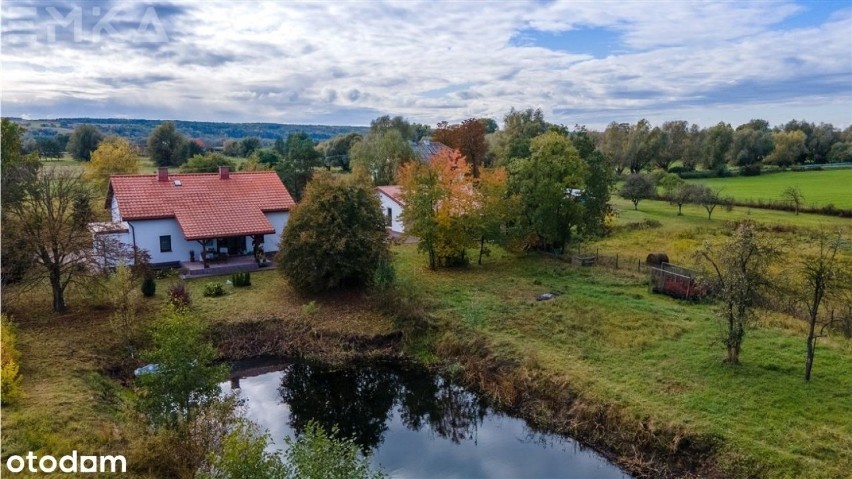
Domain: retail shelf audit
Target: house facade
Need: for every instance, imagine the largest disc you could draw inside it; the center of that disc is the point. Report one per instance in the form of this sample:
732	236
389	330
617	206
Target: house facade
199	216
392	205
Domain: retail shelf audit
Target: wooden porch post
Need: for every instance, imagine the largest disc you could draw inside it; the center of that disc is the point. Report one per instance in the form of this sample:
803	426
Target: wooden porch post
203	244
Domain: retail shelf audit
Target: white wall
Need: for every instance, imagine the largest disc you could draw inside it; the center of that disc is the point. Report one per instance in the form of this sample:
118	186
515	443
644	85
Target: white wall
116	216
279	221
396	210
148	234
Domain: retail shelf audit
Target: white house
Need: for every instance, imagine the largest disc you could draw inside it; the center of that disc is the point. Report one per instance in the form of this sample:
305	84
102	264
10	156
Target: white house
392	205
179	217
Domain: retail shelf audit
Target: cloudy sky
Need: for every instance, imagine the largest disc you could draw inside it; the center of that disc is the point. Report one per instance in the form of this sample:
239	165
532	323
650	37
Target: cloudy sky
347	63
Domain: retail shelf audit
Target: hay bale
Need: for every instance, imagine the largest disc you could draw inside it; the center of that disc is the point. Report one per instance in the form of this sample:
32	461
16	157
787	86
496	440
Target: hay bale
656	259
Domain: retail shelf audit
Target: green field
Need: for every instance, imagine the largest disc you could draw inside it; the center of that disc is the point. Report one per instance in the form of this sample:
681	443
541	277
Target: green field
820	188
655	358
605	338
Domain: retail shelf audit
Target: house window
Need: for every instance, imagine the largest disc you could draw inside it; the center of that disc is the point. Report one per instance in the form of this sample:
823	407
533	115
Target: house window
390	217
165	244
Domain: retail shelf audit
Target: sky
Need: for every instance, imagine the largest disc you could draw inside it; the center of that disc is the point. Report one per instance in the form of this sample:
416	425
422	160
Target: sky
340	63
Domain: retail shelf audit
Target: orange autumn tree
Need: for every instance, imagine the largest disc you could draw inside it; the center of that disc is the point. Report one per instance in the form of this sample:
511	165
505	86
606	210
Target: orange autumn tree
440	207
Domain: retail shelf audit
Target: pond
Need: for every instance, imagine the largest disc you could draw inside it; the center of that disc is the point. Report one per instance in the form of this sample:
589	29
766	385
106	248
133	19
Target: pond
412	423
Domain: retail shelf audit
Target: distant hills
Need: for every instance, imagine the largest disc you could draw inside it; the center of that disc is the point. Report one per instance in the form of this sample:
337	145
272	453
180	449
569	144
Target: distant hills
212	133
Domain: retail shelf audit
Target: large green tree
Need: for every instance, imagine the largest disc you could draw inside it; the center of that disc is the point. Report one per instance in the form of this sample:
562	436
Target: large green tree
519	128
380	155
752	143
596	196
208	163
717	146
542	181
335	151
335	236
51	217
17	171
641	146
614	145
165	145
83	141
675	140
790	148
297	166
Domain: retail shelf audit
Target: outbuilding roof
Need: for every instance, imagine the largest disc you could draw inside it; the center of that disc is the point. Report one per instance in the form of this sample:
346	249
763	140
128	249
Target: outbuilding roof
205	205
426	149
393	192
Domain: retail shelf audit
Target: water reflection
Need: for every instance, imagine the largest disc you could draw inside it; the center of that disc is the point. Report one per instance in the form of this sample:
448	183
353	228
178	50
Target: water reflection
412	423
360	400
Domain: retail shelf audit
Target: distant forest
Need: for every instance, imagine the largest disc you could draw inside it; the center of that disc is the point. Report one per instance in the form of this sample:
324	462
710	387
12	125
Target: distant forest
211	133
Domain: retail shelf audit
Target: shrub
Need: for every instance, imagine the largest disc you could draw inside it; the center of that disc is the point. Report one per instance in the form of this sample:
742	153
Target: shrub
244	454
310	309
149	286
335	237
187	378
698	174
403	301
241	280
678	169
750	170
384	277
10	380
212	290
321	453
179	297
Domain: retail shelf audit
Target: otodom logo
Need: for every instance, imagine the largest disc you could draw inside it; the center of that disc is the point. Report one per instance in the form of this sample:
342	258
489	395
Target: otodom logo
71	463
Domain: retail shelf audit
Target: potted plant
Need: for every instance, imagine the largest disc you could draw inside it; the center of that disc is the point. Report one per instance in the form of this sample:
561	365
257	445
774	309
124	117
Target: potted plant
260	256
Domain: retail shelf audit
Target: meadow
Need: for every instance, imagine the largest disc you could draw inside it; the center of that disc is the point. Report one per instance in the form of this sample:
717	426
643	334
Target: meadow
605	338
657	359
820	188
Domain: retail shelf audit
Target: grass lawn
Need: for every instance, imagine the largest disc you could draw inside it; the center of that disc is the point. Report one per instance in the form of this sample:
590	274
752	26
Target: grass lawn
69	402
820	188
612	340
605	336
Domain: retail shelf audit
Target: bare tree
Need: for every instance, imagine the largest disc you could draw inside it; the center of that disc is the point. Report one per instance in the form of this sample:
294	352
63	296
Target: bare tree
51	217
794	195
741	265
709	198
824	279
125	300
685	193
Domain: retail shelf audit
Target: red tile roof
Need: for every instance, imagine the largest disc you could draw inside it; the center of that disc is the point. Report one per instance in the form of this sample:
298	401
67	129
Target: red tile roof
393	192
204	206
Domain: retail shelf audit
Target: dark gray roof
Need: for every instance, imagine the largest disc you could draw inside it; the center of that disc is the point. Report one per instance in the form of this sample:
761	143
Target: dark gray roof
425	149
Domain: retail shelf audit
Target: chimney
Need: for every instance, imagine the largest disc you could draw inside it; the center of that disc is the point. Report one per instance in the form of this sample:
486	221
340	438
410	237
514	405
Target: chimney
224	172
163	174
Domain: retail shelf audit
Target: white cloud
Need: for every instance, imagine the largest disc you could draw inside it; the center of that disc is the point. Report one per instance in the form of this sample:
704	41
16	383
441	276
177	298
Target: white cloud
285	62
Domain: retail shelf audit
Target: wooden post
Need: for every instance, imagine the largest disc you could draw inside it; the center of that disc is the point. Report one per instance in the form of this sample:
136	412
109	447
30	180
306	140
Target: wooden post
203	244
639	266
616	260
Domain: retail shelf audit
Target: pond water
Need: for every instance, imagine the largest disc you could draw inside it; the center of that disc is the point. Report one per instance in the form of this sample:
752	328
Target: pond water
412	423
